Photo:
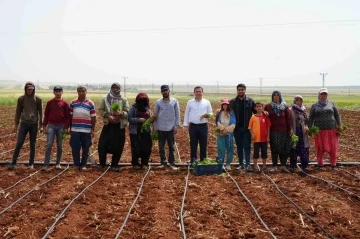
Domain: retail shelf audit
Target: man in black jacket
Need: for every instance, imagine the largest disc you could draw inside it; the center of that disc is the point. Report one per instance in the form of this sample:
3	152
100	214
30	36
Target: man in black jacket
243	107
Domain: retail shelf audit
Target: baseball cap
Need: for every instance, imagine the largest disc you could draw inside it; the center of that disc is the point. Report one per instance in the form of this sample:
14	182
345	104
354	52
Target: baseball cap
57	87
323	90
164	87
225	101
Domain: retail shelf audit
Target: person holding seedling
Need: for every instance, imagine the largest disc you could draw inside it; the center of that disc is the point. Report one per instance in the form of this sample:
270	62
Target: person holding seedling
83	120
225	125
114	111
300	143
167	122
259	126
197	113
325	116
56	123
140	119
280	130
243	107
29	116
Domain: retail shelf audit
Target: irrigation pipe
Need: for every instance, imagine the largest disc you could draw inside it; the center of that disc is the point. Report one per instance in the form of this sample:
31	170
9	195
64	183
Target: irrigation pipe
252	206
4	136
332	184
349	147
299	208
133	204
30	191
66	208
14	148
354	175
31	174
177	150
182	204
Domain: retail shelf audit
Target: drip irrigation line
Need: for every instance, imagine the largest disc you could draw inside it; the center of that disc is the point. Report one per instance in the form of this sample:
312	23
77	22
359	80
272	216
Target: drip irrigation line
30	191
346	171
31	174
183	203
298	207
332	184
177	150
133	204
7	135
252	206
67	207
357	149
23	145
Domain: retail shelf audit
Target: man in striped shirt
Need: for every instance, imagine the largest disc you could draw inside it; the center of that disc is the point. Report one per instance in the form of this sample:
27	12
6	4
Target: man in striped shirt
83	119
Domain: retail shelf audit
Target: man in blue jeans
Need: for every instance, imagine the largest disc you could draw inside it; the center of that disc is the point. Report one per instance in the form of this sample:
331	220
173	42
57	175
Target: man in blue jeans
29	112
56	121
83	120
243	107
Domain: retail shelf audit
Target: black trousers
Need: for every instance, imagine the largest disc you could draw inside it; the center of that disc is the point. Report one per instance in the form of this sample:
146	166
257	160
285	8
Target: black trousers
166	136
112	140
198	136
141	147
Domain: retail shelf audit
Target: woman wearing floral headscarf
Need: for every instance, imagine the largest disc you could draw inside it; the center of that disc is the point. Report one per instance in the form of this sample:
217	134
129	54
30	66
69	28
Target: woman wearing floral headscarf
326	117
280	130
114	109
300	127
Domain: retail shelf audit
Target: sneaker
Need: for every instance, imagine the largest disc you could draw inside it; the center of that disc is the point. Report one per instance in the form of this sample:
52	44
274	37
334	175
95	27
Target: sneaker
31	166
82	168
115	169
11	166
249	169
240	167
333	167
228	167
273	170
320	168
58	166
173	167
45	168
161	166
284	170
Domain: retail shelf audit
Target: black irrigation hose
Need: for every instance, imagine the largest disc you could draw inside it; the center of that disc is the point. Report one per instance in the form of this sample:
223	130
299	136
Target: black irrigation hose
67	207
354	175
5	136
332	184
182	204
252	206
31	174
133	204
299	208
30	191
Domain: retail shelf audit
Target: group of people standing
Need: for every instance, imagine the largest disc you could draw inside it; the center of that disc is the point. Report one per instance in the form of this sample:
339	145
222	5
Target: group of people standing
241	119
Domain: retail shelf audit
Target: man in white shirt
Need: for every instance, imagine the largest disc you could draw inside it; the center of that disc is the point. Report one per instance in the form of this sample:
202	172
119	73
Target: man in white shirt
197	113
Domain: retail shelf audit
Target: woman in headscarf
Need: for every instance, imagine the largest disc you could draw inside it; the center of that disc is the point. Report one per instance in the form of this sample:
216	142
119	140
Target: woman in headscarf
326	117
141	142
300	128
280	130
114	110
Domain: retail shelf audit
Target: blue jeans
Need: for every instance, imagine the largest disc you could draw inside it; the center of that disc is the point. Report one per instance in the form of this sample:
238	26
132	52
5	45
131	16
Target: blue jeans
225	145
23	130
52	130
243	143
78	141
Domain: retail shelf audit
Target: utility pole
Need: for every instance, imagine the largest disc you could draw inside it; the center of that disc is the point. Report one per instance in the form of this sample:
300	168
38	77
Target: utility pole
172	88
323	78
260	86
217	87
124	77
152	88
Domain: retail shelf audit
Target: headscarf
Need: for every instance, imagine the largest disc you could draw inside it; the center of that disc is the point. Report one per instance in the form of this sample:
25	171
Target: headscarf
322	103
112	96
278	106
301	111
142	106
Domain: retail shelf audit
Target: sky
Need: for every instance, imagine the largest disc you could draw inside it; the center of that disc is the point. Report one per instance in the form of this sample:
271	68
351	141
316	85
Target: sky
196	42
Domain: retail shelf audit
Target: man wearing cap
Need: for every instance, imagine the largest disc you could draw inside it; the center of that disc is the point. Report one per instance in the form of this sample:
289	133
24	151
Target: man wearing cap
167	112
56	120
243	107
197	113
29	115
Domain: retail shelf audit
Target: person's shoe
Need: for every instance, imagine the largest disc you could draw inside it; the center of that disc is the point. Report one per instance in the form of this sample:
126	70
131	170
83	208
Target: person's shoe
115	169
292	170
58	166
82	168
333	167
240	167
249	169
31	166
228	167
273	170
11	166
45	168
284	170
320	168
161	166
173	167
264	169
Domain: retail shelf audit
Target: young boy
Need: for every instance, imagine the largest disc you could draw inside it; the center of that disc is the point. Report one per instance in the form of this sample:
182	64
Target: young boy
259	126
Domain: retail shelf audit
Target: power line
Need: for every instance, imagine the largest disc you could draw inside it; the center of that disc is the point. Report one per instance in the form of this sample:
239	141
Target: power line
97	32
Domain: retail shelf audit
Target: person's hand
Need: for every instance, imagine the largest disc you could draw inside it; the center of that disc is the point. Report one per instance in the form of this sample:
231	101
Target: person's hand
291	131
116	112
142	120
41	129
186	129
111	118
45	129
340	128
67	131
265	113
268	139
175	130
252	137
92	133
15	130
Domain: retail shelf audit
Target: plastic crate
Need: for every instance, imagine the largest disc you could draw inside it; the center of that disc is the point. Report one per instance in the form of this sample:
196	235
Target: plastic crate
208	169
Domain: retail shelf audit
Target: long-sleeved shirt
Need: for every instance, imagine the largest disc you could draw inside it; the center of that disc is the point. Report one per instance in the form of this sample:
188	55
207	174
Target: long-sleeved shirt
279	123
195	109
326	117
82	112
168	114
29	110
57	112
